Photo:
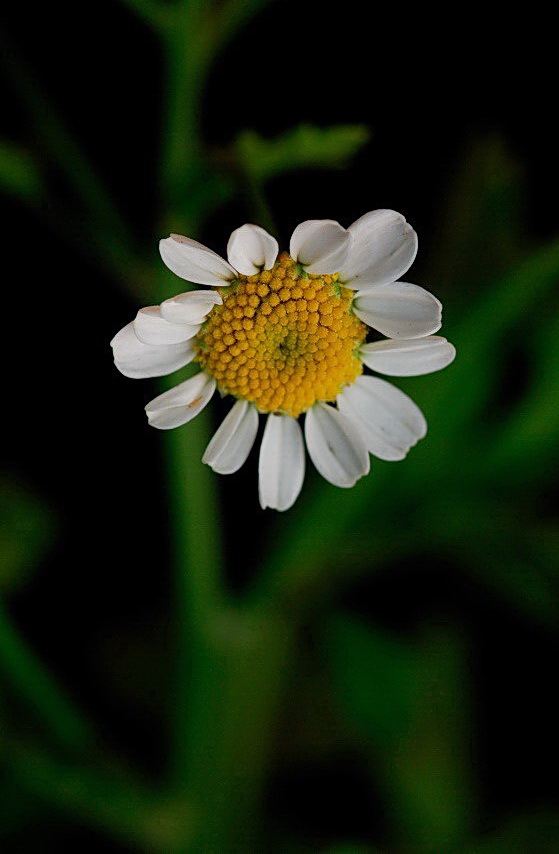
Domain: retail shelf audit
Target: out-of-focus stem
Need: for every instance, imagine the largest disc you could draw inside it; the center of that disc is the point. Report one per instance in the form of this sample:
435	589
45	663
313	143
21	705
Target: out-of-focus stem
240	667
231	663
33	682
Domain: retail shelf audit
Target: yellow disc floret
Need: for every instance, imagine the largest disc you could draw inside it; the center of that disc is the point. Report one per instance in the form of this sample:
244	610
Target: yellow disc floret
282	339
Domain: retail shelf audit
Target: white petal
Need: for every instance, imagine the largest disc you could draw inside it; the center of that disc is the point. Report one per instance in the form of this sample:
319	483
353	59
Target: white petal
320	245
137	360
182	403
232	441
251	249
399	310
335	446
388	420
383	248
192	261
152	328
191	307
282	462
409	358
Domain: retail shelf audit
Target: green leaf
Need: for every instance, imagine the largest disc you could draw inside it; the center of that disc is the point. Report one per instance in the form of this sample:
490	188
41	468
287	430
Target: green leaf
409	702
104	795
375	676
26	533
19	174
302	148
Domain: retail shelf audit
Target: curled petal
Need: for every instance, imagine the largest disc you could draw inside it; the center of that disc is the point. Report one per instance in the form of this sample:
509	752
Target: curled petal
139	361
383	247
233	440
251	249
399	310
410	358
152	328
195	262
320	246
191	307
282	462
388	420
182	403
335	446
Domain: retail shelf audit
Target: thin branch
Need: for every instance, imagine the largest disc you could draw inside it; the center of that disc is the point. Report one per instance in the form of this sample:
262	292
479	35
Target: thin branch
61	146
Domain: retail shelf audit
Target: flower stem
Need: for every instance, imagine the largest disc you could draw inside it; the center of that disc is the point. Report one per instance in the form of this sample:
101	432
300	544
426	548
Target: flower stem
240	667
231	663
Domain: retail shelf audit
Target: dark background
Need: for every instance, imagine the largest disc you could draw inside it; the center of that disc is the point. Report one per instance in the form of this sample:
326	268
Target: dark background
97	607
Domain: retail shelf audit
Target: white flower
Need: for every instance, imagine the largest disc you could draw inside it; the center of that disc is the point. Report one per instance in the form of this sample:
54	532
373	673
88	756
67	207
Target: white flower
286	337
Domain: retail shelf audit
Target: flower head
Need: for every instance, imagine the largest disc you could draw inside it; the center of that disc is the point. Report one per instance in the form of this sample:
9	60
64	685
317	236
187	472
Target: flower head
286	335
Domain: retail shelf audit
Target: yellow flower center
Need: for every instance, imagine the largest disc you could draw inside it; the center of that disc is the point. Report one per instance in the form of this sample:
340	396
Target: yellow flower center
282	339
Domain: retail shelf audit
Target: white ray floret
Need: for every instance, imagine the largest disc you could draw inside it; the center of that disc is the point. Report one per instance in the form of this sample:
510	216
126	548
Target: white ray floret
233	440
399	310
335	446
182	403
195	262
141	361
251	249
152	328
281	468
383	248
191	307
320	245
411	358
388	420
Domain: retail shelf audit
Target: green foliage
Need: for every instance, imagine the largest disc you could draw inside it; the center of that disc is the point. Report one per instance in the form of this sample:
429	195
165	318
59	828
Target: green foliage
27	530
409	704
304	147
19	174
375	673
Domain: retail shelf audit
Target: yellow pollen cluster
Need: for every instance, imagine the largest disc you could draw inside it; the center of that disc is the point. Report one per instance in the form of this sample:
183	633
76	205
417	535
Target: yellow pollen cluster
282	339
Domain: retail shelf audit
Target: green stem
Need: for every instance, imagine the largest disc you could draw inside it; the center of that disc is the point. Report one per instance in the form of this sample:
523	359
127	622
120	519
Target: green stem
240	668
197	558
231	663
188	52
40	690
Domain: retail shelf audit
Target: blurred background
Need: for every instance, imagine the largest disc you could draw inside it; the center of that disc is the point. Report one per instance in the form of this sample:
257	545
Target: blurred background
373	670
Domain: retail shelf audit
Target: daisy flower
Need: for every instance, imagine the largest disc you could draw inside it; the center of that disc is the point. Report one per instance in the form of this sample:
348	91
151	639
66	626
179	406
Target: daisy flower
285	336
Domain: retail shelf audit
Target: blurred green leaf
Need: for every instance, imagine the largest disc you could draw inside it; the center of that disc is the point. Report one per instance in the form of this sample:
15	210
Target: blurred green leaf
27	530
19	174
428	778
375	674
302	148
104	796
502	544
410	702
531	433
